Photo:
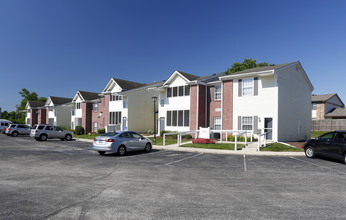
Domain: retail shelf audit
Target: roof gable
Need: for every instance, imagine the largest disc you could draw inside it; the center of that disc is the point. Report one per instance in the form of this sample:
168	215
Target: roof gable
85	96
53	100
119	85
34	104
325	97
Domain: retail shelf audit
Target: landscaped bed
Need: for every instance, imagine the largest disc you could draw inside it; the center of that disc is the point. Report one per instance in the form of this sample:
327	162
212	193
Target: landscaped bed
219	146
278	147
169	140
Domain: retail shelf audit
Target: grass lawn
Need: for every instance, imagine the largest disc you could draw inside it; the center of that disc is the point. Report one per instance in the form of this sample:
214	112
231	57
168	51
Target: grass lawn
169	140
277	147
85	136
315	134
221	146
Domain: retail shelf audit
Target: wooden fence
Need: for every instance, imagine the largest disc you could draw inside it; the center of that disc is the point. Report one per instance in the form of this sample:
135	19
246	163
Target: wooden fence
328	125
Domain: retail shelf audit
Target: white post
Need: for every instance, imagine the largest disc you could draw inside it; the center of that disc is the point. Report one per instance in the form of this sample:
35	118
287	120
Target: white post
245	139
235	146
226	136
220	136
164	139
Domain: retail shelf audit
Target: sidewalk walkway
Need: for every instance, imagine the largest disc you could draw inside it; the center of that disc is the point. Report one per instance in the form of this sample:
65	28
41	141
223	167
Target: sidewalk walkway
251	149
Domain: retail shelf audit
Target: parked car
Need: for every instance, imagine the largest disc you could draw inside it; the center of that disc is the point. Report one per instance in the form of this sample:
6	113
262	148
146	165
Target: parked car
4	124
121	142
42	132
332	145
17	129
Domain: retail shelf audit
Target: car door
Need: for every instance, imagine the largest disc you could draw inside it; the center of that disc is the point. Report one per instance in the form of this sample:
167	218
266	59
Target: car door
58	132
339	145
138	141
128	141
324	144
50	132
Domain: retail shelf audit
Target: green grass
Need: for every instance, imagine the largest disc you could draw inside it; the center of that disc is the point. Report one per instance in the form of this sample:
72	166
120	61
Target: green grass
159	140
277	147
219	146
315	134
85	136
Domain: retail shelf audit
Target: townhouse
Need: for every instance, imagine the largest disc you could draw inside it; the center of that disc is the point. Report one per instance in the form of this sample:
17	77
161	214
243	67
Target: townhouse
324	104
57	111
33	110
273	99
83	105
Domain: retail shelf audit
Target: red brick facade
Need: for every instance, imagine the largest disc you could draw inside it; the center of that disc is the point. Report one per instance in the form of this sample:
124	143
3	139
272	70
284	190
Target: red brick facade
227	105
33	117
41	116
87	108
201	112
101	116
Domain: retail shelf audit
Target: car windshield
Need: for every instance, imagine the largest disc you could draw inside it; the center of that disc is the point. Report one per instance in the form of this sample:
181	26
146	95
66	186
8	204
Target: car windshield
109	134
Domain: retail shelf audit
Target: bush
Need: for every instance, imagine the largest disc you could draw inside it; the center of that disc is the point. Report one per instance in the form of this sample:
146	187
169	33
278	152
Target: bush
79	130
241	138
162	132
203	141
150	132
101	131
187	136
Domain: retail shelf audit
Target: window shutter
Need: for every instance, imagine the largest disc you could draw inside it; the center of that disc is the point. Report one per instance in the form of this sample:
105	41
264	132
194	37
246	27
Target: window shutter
240	89
239	123
255	124
255	86
212	93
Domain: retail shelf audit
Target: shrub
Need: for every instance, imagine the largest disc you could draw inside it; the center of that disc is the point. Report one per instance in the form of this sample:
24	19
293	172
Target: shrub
79	130
101	131
150	132
203	141
187	136
241	138
162	132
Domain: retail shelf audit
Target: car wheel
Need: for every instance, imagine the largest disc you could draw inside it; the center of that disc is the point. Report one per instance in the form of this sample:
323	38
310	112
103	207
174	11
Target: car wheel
43	137
122	150
147	147
102	152
309	152
68	137
37	139
15	134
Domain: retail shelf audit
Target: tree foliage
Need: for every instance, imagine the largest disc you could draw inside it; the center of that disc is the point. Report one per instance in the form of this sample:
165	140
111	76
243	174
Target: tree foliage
246	64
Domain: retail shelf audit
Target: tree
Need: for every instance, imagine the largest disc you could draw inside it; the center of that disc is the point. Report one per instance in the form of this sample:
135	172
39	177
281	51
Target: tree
246	64
29	96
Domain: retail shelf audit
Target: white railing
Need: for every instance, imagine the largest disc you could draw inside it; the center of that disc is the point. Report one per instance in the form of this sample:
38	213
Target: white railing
264	135
231	132
179	135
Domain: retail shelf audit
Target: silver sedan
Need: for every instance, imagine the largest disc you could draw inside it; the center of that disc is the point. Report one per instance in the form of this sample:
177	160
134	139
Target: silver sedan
121	142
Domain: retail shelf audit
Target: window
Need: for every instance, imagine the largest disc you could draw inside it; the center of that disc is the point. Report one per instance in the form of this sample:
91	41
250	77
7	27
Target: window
21	126
125	135
95	127
174	118
135	135
49	128
112	98
73	112
314	106
114	118
217	92
169	92
246	123
186	118
78	105
56	128
162	102
217	123
187	90
175	91
180	118
181	90
169	118
248	86
96	107
326	137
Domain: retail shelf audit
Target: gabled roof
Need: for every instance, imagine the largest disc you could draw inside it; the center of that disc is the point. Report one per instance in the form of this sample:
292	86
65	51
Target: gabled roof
87	96
59	100
322	98
123	84
264	68
34	104
147	85
338	112
188	76
191	79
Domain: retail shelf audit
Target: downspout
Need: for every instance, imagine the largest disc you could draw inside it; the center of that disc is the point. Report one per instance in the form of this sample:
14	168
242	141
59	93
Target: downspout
197	106
276	121
206	109
221	107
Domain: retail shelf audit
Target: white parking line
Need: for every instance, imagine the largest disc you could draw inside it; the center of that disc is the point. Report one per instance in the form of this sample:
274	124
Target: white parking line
317	165
64	152
245	169
183	159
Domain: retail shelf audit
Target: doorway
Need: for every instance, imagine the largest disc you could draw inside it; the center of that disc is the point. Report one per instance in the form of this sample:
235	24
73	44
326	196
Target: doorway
268	128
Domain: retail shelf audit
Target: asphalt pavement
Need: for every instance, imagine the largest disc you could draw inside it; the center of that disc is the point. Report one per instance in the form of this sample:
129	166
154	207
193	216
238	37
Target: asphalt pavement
68	180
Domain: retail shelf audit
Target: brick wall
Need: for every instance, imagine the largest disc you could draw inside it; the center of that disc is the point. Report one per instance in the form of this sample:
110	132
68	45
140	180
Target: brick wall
213	108
101	116
41	117
201	107
87	117
193	107
33	117
320	111
227	119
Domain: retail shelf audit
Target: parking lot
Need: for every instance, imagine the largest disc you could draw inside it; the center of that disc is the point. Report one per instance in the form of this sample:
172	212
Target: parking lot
67	180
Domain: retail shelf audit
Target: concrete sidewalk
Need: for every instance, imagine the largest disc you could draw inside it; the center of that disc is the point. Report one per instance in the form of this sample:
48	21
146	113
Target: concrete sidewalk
251	149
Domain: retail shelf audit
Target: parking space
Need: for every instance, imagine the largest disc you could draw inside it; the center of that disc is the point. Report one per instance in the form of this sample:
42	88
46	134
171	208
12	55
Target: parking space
67	180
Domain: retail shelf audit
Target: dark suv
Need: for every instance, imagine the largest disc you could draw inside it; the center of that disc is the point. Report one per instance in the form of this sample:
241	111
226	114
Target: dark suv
332	144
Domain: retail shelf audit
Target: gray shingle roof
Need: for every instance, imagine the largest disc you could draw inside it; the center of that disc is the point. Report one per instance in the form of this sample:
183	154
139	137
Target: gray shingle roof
35	104
322	98
60	100
264	68
89	95
127	85
338	112
188	76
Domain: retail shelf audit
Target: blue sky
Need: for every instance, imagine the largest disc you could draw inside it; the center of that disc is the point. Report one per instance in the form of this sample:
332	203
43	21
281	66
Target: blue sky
56	47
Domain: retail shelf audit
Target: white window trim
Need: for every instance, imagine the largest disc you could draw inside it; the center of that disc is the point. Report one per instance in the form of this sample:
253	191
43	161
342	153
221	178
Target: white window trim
219	92
252	86
252	124
220	124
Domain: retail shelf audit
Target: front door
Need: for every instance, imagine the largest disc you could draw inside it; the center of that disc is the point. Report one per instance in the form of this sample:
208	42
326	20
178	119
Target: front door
124	123
268	128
